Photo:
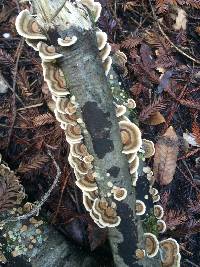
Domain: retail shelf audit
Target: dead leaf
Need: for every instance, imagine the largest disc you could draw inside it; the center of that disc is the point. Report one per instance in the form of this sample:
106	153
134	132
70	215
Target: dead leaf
165	157
155	119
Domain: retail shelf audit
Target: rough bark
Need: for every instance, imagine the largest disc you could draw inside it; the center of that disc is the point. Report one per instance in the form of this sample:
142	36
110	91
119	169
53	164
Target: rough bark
86	80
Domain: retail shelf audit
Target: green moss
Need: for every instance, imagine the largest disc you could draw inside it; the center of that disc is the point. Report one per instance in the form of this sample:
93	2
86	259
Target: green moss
150	224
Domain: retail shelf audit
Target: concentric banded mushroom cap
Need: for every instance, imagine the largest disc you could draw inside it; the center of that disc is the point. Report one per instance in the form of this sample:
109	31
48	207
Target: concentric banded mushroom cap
120	110
158	211
55	79
153	191
131	103
140	207
131	137
121	55
68	41
87	202
47	53
96	10
131	157
161	225
133	166
91	194
140	253
101	39
73	134
94	215
169	252
27	26
148	147
56	90
107	65
156	198
94	7
119	193
150	176
88	159
66	118
95	218
134	177
78	150
151	245
105	52
99	206
87	183
109	218
82	167
64	105
146	169
71	161
53	73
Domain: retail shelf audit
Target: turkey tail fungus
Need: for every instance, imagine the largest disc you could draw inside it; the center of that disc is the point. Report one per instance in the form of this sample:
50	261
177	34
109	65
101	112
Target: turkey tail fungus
103	147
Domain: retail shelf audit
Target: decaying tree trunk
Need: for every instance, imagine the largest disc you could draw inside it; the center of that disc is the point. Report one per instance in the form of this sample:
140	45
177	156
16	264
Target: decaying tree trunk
85	76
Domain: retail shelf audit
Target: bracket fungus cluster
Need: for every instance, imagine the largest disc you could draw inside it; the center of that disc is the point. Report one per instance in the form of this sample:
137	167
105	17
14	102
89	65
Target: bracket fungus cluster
101	207
66	107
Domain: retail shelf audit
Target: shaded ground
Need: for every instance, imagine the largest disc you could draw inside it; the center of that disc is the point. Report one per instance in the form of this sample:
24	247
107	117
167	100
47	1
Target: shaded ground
162	74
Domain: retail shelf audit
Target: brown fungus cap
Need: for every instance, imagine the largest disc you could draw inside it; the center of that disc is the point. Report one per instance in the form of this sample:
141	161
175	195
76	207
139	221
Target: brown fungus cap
156	198
27	26
87	202
148	147
88	159
131	103
131	157
78	150
140	207
47	53
73	134
140	253
55	79
120	110
151	245
65	118
64	105
107	214
99	206
158	211
101	39
134	177
119	193
81	167
153	191
133	166
169	252
92	194
161	226
87	183
94	7
105	52
68	41
131	137
109	218
107	65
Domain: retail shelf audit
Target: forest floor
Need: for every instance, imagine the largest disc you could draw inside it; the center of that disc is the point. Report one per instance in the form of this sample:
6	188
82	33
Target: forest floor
161	41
